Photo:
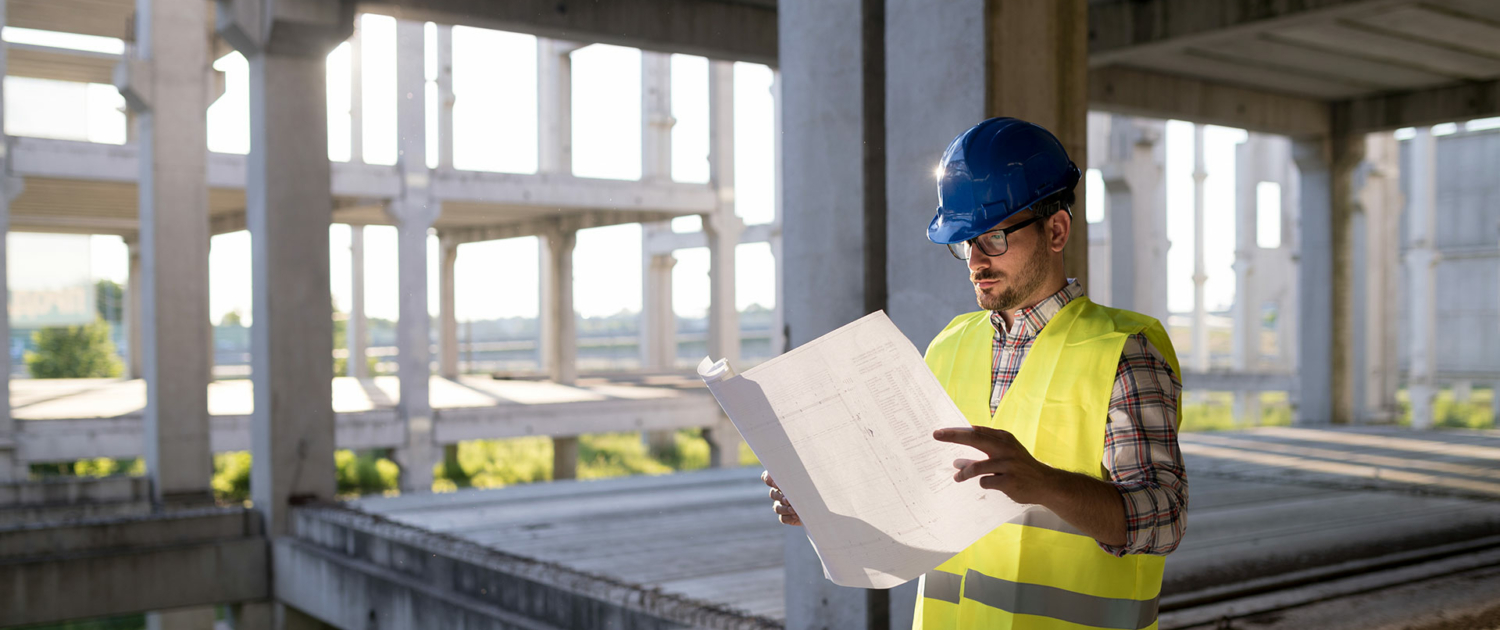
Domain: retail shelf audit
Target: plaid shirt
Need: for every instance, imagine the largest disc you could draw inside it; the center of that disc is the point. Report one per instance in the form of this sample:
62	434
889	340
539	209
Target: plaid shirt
1140	440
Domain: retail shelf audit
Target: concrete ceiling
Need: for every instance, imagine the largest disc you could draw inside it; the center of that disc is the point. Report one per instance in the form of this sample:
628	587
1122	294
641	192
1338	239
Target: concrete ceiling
1340	50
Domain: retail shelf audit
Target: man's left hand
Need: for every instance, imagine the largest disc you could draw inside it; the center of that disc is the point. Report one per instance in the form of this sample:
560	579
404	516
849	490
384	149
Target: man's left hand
1010	468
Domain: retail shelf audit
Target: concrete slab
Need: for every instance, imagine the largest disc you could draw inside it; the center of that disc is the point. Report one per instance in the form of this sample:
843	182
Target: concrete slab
711	536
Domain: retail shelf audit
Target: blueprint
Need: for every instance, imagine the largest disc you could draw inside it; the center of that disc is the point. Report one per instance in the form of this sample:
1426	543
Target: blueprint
844	424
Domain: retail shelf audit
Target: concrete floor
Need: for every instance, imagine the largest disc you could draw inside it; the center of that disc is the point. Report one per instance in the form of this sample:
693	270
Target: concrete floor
1263	503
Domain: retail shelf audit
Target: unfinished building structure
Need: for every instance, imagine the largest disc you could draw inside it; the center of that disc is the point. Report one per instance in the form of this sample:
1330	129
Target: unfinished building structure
868	93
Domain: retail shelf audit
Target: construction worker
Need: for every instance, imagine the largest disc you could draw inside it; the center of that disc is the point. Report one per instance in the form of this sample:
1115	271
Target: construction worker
1074	407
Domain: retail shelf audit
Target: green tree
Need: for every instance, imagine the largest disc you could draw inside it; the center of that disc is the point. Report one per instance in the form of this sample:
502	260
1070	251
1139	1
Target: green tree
109	300
74	352
232	319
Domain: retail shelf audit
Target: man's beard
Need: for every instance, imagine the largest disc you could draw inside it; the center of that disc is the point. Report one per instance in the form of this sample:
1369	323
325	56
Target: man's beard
1031	278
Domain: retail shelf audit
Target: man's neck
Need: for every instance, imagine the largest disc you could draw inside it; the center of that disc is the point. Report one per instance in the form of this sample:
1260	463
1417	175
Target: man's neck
1047	290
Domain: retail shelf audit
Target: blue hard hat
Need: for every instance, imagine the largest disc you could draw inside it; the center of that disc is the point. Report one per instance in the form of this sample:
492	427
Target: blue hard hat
995	169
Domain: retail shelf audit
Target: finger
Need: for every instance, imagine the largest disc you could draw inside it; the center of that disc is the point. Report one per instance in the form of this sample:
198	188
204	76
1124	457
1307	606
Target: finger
791	520
994	482
765	476
967	436
782	508
778	495
960	463
983	467
999	434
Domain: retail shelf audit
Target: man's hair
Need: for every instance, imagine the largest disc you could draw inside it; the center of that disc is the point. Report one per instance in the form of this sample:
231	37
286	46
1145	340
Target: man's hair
1060	201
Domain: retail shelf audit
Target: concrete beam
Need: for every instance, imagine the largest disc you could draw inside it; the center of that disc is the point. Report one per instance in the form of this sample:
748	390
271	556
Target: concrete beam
1119	27
736	31
353	570
107	567
1137	92
71	439
666	241
1419	108
60	64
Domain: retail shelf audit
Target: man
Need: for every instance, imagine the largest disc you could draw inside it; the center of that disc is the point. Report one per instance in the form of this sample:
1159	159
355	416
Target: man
1073	406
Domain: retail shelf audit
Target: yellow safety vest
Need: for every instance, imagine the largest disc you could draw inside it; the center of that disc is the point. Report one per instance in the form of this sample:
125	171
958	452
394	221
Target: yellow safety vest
1041	573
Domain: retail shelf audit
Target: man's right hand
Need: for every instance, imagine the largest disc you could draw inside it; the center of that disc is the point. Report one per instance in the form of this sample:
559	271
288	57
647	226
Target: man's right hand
780	505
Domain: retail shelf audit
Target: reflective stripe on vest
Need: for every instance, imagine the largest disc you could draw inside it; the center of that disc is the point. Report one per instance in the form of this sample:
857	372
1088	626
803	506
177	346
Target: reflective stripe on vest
1038	571
1034	599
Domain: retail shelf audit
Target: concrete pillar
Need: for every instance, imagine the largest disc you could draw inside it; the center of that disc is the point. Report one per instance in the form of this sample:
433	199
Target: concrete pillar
448	326
1378	278
722	227
565	457
1326	169
658	327
778	315
289	206
833	88
358	338
414	212
1249	158
1134	176
1030	64
658	321
1422	258
656	116
446	98
1200	275
133	310
165	82
11	469
559	327
554	106
356	97
182	619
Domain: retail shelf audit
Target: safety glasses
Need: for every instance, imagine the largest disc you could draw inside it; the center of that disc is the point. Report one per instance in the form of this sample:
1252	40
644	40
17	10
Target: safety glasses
992	243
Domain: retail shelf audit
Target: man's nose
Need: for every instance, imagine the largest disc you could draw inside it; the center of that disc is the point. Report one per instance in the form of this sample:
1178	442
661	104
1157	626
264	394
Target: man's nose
977	260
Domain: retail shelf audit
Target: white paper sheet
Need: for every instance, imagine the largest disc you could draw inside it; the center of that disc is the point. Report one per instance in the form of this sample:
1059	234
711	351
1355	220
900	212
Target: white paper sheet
844	424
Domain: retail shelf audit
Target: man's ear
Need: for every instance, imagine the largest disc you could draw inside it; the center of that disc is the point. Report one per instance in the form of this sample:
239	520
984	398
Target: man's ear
1059	227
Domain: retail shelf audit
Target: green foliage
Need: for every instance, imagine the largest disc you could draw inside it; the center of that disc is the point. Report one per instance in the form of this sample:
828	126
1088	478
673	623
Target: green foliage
74	352
232	319
109	300
232	476
1477	413
1215	412
341	366
364	473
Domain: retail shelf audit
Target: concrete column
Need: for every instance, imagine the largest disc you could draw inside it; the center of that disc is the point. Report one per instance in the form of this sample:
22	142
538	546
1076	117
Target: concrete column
1249	157
358	339
722	227
1016	58
1200	275
133	309
778	316
11	469
1422	258
832	131
1378	277
559	327
554	106
1134	177
1323	335
658	322
565	457
448	327
656	116
446	98
356	97
164	80
414	212
289	206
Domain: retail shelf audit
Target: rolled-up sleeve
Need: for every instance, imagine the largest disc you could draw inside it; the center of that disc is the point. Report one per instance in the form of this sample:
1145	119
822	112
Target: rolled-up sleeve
1141	451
